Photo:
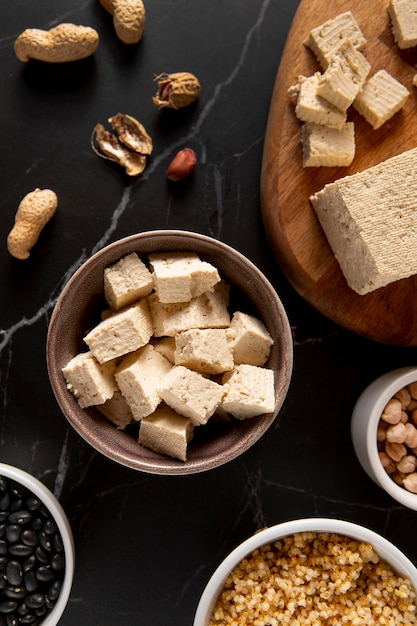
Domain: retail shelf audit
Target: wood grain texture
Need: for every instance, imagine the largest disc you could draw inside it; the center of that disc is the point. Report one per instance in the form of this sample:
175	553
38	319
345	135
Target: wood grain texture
389	314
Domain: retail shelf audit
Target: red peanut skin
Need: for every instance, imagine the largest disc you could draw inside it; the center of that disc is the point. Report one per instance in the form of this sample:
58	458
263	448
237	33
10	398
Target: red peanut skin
182	165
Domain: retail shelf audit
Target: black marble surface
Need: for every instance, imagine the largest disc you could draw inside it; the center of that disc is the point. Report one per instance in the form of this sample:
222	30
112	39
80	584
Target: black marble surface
146	545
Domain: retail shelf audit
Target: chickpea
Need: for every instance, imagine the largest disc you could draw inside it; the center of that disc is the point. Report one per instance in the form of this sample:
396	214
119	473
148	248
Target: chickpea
396	433
392	411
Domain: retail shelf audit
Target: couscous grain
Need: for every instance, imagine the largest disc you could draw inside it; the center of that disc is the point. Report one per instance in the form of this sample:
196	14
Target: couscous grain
311	579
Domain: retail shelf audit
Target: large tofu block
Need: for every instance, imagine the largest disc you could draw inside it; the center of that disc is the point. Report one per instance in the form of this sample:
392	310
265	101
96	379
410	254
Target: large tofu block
312	108
381	97
117	411
370	221
403	16
126	281
328	147
206	311
191	394
166	432
139	377
205	350
248	391
181	276
344	77
325	39
124	332
90	382
249	339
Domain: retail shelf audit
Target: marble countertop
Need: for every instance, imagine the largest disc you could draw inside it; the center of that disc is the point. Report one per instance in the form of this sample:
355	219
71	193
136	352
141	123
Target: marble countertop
146	545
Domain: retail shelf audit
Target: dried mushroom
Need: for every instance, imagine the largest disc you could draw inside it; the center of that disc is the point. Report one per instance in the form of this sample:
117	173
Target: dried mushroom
128	146
176	91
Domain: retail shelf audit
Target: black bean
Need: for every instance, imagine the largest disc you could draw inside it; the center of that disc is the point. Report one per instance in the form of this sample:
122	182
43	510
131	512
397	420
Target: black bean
28	619
45	541
54	589
23	609
8	606
19	549
32	503
14	573
11	620
3	582
35	600
3	484
50	527
30	582
58	562
41	555
29	537
58	545
2	530
13	532
16	505
45	574
37	523
4	515
3	547
29	563
20	517
5	502
15	593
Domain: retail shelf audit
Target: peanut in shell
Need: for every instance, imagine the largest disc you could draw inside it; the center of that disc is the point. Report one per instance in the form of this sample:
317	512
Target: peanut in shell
176	91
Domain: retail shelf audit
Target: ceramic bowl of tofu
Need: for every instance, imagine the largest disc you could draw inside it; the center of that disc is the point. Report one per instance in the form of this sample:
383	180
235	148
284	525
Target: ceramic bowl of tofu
169	352
384	433
300	568
38	541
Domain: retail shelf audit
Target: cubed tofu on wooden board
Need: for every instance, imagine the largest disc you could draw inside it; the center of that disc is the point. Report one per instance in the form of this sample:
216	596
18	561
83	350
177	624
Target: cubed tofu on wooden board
388	314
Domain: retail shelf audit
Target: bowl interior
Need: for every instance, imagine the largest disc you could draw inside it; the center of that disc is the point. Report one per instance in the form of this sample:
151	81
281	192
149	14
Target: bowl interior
78	309
44	494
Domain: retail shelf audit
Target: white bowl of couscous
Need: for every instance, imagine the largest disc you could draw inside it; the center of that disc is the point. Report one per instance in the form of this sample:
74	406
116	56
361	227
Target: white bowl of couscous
314	571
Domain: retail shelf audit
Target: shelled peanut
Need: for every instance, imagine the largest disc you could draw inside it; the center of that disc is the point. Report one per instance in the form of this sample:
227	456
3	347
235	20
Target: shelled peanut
397	437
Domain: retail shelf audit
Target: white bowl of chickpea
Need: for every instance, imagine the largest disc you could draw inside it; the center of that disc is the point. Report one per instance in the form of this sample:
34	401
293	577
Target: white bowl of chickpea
384	433
312	570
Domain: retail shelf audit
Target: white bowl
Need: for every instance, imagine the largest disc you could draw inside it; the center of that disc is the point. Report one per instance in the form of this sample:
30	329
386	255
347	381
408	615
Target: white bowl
49	500
364	425
386	550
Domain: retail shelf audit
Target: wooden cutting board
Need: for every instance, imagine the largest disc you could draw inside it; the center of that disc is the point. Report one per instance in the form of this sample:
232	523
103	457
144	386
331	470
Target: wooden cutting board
389	314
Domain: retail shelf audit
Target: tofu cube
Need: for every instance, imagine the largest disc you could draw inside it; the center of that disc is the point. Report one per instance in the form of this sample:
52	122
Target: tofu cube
180	276
139	377
403	16
249	391
344	77
206	311
325	40
205	350
328	147
117	411
126	281
166	432
312	108
191	394
370	221
124	332
381	97
249	339
90	382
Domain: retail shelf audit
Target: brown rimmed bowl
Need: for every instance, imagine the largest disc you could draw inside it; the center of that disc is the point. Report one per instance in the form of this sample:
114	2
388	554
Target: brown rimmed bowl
78	309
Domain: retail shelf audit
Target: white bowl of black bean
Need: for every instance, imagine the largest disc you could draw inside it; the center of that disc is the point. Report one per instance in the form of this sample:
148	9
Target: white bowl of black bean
311	571
36	551
384	433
